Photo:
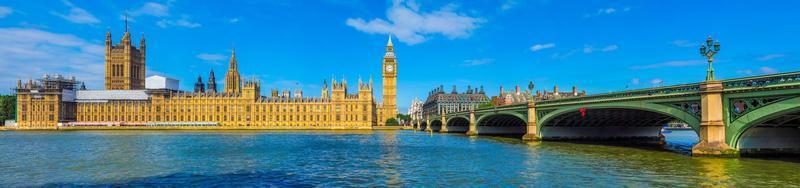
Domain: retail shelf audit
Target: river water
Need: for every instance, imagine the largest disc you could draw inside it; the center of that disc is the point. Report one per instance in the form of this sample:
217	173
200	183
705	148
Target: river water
368	158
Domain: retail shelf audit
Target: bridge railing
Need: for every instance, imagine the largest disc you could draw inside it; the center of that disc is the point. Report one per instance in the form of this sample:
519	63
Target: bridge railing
761	81
753	81
684	88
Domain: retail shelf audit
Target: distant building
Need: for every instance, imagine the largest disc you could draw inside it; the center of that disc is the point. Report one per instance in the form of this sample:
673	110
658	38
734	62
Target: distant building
517	96
162	83
130	99
439	102
415	111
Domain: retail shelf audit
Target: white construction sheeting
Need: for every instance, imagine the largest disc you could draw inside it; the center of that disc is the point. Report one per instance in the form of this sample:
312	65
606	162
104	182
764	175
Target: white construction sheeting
161	82
108	95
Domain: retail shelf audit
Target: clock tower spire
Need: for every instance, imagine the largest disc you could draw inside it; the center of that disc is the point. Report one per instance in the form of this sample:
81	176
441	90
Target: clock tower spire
389	83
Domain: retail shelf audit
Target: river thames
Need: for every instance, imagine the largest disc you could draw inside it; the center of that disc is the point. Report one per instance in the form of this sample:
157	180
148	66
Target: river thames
368	158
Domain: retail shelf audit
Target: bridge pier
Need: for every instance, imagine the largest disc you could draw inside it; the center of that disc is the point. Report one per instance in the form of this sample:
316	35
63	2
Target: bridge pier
712	125
427	124
531	133
444	124
473	128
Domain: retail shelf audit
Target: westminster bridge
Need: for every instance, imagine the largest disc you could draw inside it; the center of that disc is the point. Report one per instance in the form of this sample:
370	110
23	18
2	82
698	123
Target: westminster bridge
758	114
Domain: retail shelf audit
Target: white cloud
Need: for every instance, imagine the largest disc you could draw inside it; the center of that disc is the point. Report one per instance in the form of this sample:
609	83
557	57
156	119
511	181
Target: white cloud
183	22
683	43
508	4
681	63
768	70
607	11
635	81
211	58
412	26
151	9
5	11
233	20
33	52
657	81
589	49
564	55
77	15
538	47
476	62
609	48
770	57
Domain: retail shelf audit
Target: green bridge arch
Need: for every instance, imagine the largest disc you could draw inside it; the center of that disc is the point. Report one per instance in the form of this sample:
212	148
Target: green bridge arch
737	128
483	117
689	119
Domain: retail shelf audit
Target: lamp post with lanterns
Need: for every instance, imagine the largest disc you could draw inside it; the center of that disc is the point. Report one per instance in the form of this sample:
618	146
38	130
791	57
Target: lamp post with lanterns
708	50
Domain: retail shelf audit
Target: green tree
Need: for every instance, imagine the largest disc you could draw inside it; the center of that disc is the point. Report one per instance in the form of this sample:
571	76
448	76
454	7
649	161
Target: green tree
391	122
403	117
8	108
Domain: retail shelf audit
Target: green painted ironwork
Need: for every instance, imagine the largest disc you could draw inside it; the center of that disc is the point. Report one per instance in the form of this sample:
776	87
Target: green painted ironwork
736	128
691	107
741	106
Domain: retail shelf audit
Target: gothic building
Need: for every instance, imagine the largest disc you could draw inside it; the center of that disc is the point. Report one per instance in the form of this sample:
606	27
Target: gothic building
125	64
50	103
440	102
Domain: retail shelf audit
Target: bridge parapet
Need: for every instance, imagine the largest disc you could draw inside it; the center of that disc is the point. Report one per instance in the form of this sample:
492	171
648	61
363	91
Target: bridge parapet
658	91
792	78
762	81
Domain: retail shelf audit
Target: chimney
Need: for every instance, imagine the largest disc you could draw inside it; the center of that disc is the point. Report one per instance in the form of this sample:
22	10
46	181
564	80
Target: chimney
516	89
574	90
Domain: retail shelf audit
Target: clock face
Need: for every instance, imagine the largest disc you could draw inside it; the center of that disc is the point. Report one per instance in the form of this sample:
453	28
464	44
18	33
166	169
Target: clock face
389	68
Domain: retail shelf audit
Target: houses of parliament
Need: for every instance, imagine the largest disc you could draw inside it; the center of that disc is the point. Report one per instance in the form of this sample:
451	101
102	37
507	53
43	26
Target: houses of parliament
131	99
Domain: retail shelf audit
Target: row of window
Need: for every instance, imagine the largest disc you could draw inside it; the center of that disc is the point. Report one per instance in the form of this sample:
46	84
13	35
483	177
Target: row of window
222	118
216	108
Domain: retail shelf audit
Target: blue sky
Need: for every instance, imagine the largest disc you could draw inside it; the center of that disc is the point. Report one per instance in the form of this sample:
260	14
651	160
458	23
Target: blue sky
599	46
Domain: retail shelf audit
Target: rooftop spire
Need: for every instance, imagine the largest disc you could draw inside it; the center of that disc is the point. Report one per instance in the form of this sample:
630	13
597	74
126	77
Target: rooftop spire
390	41
126	21
233	59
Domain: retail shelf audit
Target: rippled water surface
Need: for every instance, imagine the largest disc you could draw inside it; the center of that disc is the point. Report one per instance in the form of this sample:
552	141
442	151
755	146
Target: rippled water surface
320	158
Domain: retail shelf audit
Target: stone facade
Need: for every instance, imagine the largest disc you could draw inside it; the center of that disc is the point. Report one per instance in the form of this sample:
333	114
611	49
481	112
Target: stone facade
125	64
439	102
47	103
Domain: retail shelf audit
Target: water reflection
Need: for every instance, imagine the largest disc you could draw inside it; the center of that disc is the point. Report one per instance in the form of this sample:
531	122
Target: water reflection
365	159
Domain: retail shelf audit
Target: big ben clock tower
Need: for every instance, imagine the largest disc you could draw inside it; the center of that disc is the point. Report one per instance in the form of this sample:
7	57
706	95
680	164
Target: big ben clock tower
389	83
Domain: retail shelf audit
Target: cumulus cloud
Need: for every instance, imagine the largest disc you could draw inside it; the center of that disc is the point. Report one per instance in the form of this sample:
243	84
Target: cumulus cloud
770	57
183	22
589	49
211	58
5	11
33	52
508	4
77	15
657	82
683	43
607	11
476	62
412	26
151	9
538	47
681	63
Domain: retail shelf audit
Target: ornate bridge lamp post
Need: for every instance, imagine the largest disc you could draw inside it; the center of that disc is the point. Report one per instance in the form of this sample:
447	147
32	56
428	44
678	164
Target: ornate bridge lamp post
712	122
531	133
708	50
